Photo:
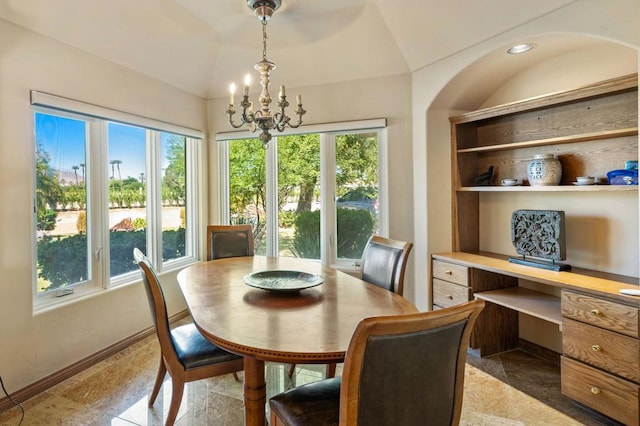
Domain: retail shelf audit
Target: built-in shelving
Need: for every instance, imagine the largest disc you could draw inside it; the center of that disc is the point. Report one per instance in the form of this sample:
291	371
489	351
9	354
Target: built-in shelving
591	130
534	303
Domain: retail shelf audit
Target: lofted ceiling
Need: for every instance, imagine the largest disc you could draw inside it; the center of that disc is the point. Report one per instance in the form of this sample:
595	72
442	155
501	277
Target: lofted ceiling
200	46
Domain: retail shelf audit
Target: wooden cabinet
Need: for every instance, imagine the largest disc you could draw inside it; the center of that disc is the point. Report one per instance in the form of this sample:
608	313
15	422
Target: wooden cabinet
591	130
453	283
450	284
600	360
601	355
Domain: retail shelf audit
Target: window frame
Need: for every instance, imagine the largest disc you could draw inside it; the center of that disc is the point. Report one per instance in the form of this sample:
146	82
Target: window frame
97	208
328	225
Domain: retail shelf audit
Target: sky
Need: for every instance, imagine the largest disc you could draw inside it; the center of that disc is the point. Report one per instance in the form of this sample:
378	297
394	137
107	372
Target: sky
65	141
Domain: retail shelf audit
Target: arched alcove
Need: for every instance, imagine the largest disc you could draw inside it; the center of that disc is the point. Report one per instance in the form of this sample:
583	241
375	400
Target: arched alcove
559	62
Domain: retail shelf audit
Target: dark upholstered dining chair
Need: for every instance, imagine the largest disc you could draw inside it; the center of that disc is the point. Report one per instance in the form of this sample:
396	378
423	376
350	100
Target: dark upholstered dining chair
383	263
229	241
185	353
399	370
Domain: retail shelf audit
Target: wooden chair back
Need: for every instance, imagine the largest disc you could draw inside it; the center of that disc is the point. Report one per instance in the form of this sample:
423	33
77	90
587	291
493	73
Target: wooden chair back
157	305
384	262
401	370
229	241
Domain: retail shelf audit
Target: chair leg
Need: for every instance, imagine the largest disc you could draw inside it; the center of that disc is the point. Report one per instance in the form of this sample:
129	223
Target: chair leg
176	399
331	371
162	370
235	376
292	370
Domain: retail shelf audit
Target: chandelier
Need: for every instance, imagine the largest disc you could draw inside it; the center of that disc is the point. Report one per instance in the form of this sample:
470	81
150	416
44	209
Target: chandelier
264	119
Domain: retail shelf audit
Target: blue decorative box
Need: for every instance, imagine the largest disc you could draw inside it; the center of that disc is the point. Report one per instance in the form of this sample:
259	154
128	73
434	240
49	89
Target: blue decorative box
623	177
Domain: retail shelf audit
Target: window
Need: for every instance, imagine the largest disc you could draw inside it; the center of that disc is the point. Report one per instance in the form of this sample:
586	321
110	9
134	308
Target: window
103	187
312	195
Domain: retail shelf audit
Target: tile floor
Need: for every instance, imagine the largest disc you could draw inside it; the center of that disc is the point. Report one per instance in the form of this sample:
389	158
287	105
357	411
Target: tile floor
512	388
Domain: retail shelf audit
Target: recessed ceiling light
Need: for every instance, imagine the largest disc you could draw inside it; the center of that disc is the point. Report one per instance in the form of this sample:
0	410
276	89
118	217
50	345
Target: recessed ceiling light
520	48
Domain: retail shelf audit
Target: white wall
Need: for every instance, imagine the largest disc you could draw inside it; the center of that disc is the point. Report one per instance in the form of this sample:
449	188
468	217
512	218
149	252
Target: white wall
615	20
32	347
354	100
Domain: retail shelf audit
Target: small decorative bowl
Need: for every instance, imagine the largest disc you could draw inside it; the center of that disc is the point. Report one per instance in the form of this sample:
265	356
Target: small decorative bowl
585	180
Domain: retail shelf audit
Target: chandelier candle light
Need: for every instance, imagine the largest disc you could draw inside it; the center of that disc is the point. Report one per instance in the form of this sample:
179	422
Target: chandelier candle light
264	119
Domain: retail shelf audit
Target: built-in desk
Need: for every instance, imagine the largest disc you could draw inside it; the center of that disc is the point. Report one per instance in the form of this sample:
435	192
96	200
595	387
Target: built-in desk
600	364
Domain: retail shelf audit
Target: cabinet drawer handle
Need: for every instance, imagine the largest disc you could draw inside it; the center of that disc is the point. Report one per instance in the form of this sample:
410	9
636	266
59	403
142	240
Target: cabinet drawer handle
450	297
595	390
596	348
448	272
595	312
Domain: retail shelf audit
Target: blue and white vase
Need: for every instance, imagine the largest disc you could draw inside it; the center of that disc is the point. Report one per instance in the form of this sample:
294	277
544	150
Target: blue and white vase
544	169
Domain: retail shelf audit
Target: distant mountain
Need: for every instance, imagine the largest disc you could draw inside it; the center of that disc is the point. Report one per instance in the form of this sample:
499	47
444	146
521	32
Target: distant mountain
68	177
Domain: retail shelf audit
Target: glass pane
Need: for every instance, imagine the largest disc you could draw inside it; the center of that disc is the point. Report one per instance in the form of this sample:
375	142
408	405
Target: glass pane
356	192
299	196
174	191
248	188
127	195
61	202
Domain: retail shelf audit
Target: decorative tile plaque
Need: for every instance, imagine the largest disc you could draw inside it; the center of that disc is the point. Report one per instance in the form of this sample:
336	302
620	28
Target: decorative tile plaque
539	233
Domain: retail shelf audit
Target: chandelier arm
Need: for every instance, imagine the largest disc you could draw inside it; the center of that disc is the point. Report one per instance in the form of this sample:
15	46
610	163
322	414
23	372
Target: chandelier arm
230	112
282	124
299	112
248	116
234	125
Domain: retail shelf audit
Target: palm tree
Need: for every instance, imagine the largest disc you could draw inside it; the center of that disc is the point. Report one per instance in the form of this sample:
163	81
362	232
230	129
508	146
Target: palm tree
117	163
113	170
75	172
82	165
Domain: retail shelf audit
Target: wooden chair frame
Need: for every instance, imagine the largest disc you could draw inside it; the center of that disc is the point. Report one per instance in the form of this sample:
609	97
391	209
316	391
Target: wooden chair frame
394	325
169	361
400	324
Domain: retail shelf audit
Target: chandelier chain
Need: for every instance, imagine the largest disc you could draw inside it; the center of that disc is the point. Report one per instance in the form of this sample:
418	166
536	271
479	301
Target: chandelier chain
264	40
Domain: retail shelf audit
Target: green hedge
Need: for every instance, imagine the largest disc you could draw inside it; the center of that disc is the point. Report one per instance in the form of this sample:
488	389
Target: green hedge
63	260
354	229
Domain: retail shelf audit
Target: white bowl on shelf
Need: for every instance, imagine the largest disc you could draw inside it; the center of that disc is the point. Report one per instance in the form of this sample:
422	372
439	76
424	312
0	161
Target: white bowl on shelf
585	180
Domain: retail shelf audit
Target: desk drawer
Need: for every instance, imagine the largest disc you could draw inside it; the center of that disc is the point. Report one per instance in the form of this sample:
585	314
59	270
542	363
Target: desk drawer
451	272
610	351
612	396
447	294
601	313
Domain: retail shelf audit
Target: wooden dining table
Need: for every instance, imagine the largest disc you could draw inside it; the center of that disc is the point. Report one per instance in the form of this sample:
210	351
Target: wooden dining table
309	326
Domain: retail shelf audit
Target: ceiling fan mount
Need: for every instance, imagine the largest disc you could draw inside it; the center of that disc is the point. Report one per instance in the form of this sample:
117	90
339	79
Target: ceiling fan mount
264	8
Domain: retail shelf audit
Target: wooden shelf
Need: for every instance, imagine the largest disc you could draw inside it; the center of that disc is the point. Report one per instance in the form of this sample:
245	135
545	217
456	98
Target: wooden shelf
556	188
534	303
591	130
624	83
617	133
